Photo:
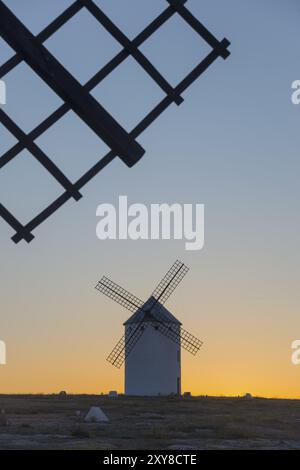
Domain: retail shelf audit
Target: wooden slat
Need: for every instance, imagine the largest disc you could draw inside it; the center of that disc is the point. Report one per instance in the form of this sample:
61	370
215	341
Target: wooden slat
67	87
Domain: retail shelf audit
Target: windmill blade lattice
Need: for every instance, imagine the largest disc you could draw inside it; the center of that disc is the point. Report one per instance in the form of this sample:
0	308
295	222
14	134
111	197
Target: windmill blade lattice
125	345
31	49
118	294
152	312
170	281
189	342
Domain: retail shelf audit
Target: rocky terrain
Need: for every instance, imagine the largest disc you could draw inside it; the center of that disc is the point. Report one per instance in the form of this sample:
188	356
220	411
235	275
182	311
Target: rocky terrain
57	422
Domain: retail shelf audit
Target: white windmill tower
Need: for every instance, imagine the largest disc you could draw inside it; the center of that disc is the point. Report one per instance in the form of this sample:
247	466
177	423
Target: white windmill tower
151	343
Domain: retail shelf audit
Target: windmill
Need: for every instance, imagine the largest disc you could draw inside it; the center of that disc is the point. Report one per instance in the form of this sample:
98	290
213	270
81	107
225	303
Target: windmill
151	343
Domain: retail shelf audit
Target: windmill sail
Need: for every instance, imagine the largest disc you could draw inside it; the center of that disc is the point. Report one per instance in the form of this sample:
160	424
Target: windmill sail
179	335
118	294
125	345
169	282
151	313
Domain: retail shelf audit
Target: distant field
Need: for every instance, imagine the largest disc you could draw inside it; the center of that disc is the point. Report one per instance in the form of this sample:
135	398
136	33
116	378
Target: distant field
50	422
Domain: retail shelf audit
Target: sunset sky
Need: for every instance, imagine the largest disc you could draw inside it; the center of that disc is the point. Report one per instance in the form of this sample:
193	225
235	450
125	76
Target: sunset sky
233	145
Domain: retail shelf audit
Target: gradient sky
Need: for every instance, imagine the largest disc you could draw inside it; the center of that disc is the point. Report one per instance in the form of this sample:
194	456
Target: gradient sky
232	145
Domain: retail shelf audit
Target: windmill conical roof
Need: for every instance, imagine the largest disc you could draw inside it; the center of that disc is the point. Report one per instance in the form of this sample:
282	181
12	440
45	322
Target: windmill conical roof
158	311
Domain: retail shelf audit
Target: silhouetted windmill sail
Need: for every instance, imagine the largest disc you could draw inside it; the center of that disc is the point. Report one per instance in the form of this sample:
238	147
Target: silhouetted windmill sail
161	293
169	282
151	313
117	355
132	303
118	294
180	336
125	345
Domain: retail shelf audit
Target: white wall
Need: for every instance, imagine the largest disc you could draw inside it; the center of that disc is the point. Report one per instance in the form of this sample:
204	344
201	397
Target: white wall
153	366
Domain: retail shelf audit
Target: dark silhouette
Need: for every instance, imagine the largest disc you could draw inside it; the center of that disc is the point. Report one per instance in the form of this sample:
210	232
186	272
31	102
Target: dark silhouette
150	313
77	97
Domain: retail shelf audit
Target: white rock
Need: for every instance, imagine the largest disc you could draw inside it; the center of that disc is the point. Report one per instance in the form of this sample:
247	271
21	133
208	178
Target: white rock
96	415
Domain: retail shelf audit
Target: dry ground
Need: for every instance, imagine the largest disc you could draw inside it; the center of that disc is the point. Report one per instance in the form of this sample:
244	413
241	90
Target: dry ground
50	422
